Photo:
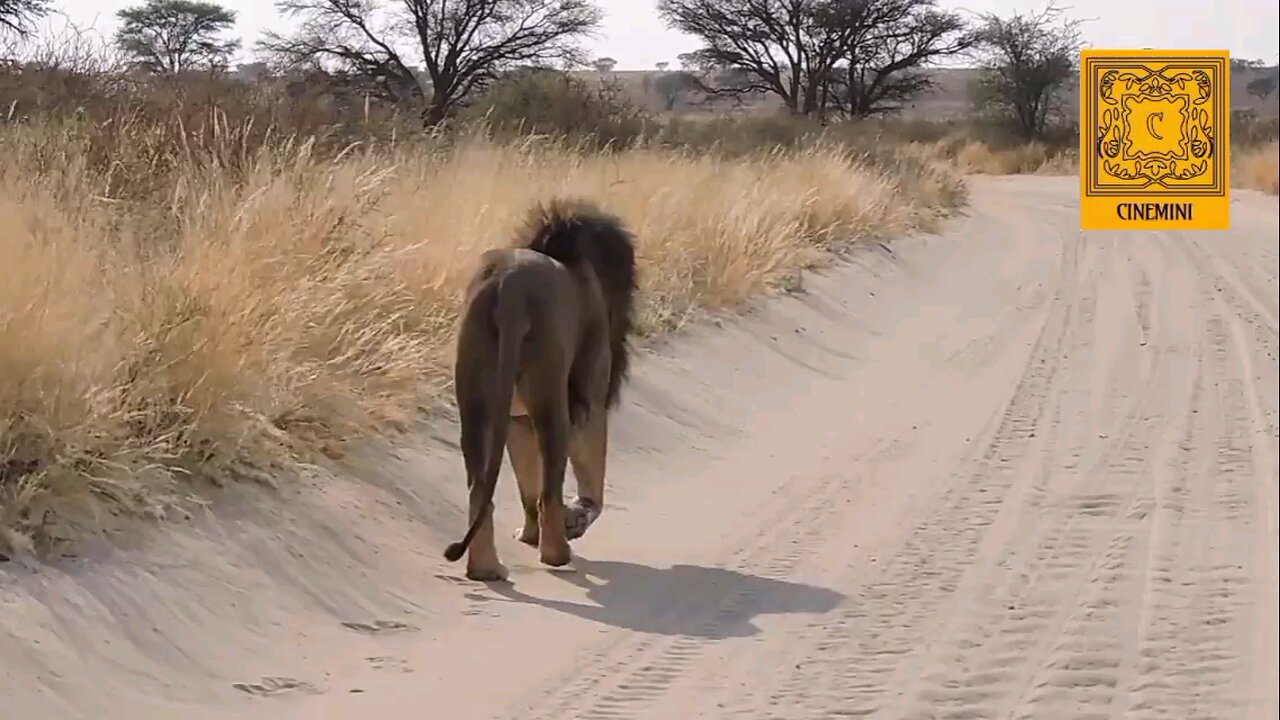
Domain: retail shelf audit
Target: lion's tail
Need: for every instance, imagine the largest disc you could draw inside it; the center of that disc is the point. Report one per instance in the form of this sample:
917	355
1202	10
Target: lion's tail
512	324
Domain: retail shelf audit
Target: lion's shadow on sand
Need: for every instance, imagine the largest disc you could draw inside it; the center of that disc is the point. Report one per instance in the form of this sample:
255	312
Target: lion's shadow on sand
683	600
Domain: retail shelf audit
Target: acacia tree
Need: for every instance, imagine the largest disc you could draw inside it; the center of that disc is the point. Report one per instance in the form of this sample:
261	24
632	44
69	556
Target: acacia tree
17	16
780	46
891	44
1261	87
173	36
820	55
464	44
1028	60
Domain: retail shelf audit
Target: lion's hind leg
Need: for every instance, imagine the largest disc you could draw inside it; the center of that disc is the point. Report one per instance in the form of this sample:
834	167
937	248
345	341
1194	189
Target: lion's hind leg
480	379
588	451
588	445
526	462
551	423
482	556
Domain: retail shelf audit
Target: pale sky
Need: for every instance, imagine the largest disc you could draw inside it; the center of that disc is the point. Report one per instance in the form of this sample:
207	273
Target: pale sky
633	34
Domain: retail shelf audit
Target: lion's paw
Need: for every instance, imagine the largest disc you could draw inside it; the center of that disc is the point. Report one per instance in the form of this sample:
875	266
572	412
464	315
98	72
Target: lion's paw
578	516
488	573
555	556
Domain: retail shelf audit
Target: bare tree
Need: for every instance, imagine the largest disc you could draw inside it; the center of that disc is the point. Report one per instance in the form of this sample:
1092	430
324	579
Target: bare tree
71	49
891	45
173	36
821	55
18	16
1028	61
464	44
780	46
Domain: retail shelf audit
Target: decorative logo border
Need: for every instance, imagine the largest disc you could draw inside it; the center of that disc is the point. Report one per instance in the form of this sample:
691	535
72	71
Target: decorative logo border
1187	84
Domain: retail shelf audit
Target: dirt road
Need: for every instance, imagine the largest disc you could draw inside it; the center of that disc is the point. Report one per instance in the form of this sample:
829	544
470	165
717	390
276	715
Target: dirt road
1011	471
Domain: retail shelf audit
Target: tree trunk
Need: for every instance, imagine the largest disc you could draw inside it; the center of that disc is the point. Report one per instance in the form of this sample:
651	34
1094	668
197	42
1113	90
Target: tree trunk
857	104
436	110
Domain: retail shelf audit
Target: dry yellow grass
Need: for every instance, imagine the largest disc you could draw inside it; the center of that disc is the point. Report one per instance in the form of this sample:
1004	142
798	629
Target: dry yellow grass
1032	158
272	302
1258	168
1255	167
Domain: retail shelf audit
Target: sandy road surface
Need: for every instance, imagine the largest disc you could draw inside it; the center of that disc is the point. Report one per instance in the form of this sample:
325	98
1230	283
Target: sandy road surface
1007	472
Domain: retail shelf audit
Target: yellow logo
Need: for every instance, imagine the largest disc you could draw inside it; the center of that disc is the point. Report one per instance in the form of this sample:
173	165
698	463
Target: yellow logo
1154	139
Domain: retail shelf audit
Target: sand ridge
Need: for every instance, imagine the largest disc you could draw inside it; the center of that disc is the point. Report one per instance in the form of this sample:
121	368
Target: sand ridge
1006	471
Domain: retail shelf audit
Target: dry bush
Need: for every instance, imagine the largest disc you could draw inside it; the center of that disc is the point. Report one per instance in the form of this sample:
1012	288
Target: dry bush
1032	158
1253	142
203	305
983	147
1250	130
973	146
547	102
134	118
735	135
926	175
1257	168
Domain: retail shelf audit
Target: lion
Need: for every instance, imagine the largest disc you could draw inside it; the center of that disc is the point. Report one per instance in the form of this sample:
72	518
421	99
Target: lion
542	355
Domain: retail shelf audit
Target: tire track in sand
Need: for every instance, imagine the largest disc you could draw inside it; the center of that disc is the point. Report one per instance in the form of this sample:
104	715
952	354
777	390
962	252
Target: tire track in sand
855	654
1198	609
620	679
1020	630
1085	653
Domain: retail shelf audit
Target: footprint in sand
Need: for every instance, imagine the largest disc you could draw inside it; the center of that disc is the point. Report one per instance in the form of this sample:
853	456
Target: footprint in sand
378	626
276	685
386	662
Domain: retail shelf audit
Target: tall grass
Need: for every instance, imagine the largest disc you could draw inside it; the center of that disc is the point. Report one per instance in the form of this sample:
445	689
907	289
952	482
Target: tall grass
1257	168
978	157
209	307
